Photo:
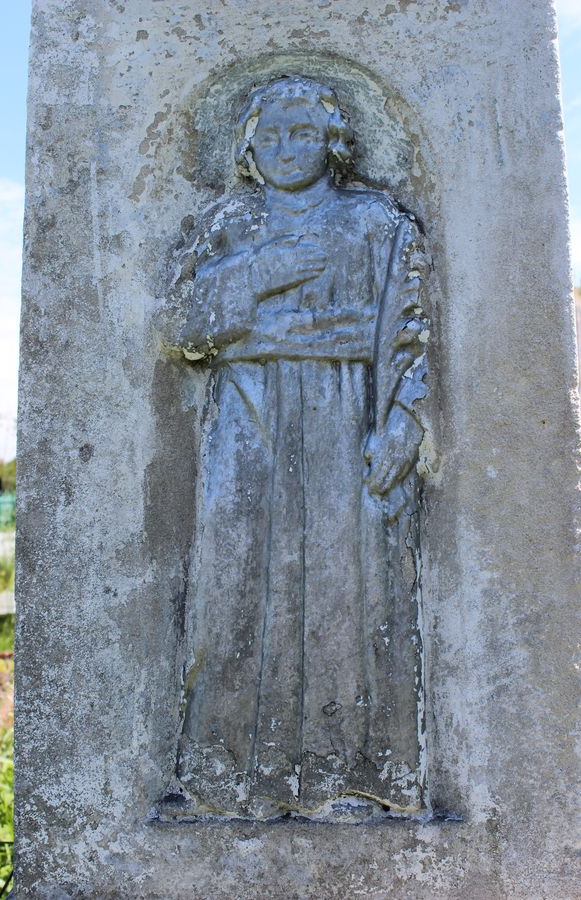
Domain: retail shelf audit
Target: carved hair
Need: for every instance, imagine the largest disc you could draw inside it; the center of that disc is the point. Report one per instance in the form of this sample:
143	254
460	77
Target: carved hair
339	134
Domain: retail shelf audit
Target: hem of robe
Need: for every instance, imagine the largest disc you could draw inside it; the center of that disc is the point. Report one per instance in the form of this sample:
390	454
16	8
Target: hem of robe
347	807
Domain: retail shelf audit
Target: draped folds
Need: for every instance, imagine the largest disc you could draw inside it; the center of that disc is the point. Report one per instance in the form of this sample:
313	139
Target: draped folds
302	642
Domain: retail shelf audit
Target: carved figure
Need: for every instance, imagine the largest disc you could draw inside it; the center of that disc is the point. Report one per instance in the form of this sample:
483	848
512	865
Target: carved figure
304	299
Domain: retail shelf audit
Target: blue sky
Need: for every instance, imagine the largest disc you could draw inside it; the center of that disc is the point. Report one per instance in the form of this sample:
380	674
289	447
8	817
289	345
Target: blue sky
13	66
570	48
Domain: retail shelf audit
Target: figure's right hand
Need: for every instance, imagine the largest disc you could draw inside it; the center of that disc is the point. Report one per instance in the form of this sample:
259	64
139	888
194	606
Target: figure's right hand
285	263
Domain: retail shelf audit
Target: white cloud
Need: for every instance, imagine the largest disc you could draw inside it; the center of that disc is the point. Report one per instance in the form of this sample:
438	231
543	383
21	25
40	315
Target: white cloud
569	9
11	212
569	14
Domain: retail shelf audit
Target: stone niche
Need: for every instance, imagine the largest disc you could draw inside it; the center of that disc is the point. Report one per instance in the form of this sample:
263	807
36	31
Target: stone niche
298	576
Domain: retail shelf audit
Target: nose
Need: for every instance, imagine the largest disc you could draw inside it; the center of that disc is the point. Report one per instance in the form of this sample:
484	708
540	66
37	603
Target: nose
287	153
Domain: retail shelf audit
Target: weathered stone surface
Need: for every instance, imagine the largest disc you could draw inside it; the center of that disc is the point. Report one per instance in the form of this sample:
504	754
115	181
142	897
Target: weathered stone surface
456	112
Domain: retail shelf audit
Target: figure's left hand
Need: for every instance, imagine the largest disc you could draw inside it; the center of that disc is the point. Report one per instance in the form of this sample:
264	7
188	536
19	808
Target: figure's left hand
391	454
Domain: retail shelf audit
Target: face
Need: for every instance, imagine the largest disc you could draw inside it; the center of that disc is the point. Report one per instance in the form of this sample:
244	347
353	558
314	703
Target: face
290	144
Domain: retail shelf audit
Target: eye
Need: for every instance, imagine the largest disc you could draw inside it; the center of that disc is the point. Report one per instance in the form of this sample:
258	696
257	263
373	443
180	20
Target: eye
268	140
304	135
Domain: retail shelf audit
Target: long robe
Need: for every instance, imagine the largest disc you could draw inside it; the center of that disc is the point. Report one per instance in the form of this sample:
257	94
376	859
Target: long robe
304	676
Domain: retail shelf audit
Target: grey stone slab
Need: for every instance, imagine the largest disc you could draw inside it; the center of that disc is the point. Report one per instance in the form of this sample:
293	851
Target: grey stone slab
456	114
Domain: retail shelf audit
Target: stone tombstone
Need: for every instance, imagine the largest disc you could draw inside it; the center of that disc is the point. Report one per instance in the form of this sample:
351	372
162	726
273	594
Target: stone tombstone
298	587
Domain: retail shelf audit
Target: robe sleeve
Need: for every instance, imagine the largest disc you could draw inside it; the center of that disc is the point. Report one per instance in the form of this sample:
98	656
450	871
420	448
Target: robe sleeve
221	303
402	328
212	295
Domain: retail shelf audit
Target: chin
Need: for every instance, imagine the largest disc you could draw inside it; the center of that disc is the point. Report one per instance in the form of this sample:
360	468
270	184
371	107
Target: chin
292	184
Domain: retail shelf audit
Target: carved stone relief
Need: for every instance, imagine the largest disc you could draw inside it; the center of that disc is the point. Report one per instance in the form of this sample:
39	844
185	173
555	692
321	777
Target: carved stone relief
302	301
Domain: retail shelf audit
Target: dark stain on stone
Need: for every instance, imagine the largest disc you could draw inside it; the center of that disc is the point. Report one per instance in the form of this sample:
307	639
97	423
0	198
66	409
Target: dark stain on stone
170	477
45	119
86	452
142	35
331	708
152	133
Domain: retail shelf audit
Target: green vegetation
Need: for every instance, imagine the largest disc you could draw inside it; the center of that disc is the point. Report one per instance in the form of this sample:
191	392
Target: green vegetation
6	803
6	573
7	495
7	515
6	634
8	476
6	747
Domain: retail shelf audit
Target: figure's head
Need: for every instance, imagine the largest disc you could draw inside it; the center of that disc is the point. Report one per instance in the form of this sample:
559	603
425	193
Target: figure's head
290	132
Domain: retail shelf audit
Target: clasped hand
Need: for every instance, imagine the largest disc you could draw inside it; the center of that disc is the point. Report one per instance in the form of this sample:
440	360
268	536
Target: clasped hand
390	455
285	263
